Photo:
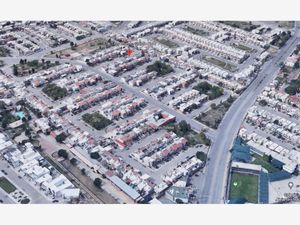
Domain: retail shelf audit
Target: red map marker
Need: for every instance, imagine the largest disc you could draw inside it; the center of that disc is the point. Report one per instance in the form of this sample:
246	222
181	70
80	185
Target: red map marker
129	52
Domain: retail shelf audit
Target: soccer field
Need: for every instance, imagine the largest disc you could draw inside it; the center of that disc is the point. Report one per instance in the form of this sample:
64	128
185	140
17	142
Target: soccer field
244	186
6	185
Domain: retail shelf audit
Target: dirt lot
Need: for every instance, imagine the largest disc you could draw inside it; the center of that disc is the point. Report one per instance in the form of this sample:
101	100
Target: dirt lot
84	49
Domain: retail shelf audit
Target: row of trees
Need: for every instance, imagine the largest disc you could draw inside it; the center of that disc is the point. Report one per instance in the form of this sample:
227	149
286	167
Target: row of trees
64	154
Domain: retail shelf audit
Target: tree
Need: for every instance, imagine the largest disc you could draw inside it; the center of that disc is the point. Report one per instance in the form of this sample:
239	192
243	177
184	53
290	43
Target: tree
263	102
27	132
201	156
98	182
213	106
184	126
95	155
61	137
206	141
160	67
73	161
83	171
179	201
63	153
15	70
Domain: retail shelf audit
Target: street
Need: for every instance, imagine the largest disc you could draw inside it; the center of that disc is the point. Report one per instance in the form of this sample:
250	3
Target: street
214	180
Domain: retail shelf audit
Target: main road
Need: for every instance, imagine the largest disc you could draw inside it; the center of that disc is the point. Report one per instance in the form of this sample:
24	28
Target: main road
213	183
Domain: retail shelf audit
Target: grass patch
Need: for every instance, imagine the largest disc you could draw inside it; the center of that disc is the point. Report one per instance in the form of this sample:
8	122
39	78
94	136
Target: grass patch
160	67
221	64
244	25
196	31
244	186
213	117
6	185
265	163
55	92
96	120
167	42
243	47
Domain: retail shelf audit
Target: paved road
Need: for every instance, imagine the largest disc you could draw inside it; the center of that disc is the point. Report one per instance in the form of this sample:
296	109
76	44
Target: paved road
214	180
36	196
4	198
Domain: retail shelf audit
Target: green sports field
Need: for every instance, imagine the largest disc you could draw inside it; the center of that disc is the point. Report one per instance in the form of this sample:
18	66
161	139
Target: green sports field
244	186
6	185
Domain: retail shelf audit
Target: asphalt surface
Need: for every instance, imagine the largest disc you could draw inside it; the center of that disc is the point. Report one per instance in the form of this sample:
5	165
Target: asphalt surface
214	180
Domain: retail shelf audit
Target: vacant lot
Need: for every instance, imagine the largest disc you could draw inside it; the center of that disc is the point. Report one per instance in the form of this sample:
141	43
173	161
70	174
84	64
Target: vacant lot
55	92
206	88
167	42
6	185
221	64
86	48
160	67
243	47
96	120
196	31
280	39
182	129
28	67
244	25
213	117
244	186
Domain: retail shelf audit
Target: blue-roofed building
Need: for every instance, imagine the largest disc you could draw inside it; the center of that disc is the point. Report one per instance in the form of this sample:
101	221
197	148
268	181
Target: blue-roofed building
132	193
278	164
263	188
237	201
277	176
240	151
